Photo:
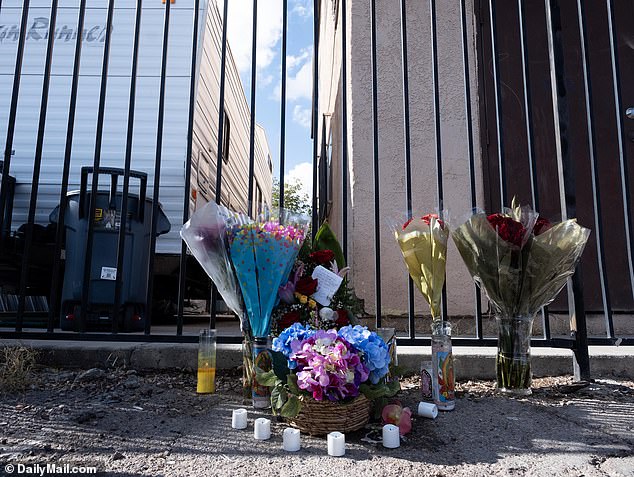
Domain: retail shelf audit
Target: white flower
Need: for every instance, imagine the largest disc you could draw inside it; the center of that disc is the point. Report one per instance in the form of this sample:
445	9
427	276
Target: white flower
327	314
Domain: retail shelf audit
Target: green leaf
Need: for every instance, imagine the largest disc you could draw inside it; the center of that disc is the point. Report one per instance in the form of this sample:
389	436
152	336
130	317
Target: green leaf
268	379
278	397
381	390
325	239
393	387
373	391
280	364
291	408
293	388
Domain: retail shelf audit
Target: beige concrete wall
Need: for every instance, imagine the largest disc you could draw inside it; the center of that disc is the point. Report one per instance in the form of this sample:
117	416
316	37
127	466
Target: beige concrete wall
391	138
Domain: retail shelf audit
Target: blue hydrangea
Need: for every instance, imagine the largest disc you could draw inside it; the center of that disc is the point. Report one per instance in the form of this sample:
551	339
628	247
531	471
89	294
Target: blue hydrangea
282	343
375	352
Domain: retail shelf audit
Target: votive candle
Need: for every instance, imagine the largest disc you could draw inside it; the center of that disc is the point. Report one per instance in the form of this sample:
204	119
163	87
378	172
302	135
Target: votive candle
262	430
291	439
336	444
239	419
391	436
428	410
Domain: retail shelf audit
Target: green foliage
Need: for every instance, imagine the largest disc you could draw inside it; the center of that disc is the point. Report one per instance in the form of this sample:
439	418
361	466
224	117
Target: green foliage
380	390
294	199
291	408
325	239
267	379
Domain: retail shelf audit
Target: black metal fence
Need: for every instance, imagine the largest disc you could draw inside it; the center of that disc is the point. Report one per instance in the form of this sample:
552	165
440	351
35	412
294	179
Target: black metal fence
578	340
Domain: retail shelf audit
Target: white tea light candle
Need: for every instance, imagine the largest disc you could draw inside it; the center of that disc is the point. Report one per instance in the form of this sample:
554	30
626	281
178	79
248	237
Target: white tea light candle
427	409
291	439
391	436
239	419
262	430
336	444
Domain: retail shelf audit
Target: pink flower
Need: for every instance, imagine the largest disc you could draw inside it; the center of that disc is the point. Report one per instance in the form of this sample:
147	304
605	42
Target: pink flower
399	416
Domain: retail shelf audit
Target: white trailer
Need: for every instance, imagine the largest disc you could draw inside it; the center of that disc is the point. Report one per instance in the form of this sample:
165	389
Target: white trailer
177	95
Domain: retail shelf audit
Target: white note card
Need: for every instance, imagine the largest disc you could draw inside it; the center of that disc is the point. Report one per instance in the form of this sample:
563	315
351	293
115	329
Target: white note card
327	285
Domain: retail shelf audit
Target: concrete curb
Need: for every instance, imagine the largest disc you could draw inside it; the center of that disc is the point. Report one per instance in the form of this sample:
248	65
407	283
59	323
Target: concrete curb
470	362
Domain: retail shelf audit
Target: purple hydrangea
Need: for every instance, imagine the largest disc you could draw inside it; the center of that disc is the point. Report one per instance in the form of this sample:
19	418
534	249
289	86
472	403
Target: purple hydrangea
375	352
328	366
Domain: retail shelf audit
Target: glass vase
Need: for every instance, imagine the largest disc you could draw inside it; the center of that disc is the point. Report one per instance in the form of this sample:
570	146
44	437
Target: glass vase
513	363
262	362
206	382
442	361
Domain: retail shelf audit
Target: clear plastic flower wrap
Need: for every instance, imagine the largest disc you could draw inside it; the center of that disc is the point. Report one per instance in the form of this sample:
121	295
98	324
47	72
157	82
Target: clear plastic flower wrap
206	237
520	260
423	242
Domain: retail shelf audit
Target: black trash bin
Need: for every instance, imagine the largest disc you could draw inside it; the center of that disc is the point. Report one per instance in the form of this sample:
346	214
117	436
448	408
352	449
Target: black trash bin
103	272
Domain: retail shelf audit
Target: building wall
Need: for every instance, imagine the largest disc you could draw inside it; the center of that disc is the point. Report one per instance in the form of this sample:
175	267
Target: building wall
454	143
235	170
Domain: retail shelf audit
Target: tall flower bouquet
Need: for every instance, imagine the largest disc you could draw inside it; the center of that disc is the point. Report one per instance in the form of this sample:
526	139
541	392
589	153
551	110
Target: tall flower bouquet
521	261
344	366
423	243
247	259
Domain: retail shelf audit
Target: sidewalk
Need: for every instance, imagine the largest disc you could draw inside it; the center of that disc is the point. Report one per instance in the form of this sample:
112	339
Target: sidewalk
470	362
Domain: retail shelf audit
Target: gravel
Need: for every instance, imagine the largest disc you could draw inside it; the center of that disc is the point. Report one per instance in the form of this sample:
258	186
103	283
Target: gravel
134	423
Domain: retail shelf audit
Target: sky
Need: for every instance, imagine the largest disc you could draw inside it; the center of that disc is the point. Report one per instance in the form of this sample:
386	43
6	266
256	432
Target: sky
299	54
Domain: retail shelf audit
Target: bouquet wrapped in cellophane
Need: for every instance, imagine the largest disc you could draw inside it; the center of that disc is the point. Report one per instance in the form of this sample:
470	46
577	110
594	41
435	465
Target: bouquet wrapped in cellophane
423	242
521	261
247	260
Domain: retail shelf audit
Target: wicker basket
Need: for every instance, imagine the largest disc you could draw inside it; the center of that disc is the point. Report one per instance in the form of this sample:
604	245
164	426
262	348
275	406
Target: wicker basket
321	417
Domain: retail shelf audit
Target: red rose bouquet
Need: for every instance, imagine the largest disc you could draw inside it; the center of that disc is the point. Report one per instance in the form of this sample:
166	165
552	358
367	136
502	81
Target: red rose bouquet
521	261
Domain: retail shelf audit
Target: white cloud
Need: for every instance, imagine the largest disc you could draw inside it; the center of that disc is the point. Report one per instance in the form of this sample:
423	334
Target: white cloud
240	27
303	9
302	116
299	76
302	173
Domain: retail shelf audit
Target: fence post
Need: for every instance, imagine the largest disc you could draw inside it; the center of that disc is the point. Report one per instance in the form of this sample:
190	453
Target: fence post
561	113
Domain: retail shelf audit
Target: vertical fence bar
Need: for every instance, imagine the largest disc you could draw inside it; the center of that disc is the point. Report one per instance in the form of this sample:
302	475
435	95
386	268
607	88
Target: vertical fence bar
498	104
437	130
37	163
13	110
625	181
528	119
219	150
221	105
344	129
598	223
565	165
126	172
70	128
182	269
157	167
470	149
314	131
375	160
95	171
254	38
283	102
408	158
